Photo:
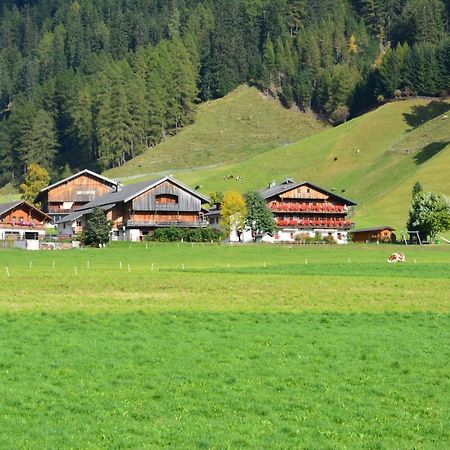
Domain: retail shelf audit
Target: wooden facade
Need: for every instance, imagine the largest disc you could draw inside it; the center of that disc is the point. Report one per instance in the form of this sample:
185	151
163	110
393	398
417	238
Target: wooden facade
306	206
374	234
21	220
167	197
136	210
74	192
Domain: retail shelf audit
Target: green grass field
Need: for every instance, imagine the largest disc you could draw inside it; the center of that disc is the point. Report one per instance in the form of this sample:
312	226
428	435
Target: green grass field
200	346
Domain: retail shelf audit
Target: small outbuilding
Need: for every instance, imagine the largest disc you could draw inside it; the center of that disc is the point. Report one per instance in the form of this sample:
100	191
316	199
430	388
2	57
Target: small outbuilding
373	234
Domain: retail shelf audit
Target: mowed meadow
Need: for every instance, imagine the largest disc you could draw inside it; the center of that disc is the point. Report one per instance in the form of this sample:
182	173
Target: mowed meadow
207	346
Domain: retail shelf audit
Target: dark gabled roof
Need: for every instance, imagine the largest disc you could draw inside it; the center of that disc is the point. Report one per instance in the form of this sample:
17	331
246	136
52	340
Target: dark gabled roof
75	175
77	214
380	228
125	192
130	191
289	184
212	211
5	207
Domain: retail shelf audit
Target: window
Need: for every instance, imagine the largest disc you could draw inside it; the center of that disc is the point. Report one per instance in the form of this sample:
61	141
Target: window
166	198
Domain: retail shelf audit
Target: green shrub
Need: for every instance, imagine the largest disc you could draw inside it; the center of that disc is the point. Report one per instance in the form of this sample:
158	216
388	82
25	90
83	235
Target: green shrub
329	239
174	234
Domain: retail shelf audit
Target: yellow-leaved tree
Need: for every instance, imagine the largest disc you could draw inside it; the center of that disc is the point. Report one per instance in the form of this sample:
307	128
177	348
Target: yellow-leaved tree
352	46
233	212
36	178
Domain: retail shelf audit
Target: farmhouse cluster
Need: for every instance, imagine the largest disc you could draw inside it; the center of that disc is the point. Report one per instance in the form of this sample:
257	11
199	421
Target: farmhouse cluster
137	210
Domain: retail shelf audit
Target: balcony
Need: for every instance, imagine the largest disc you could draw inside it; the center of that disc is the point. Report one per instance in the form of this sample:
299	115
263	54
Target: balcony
321	208
167	207
167	224
308	224
22	225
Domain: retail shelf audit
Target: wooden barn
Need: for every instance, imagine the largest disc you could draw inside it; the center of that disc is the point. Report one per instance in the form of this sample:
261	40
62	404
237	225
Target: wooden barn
66	196
374	234
137	209
303	207
21	220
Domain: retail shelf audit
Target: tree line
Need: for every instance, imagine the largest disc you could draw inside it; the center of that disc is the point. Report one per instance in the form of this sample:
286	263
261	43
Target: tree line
94	83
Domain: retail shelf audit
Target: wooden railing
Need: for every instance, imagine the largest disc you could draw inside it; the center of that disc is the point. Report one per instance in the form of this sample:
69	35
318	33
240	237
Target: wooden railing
22	225
323	208
305	223
166	224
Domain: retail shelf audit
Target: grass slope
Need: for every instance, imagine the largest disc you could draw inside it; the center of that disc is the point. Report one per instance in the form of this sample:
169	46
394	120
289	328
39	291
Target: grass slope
234	128
8	193
329	354
374	159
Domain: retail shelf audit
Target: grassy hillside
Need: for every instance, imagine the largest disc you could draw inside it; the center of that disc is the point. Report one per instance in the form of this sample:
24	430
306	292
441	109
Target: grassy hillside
374	159
234	128
8	193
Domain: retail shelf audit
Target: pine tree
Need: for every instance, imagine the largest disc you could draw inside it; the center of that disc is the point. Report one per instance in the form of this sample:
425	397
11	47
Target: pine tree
98	229
423	21
416	189
296	14
83	119
259	217
138	109
268	62
6	156
40	144
392	68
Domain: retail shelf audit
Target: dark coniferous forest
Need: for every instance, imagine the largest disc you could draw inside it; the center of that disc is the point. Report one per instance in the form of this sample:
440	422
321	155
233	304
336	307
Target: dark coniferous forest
93	83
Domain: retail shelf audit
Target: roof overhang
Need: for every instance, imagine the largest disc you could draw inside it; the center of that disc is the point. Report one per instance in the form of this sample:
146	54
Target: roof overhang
200	196
366	230
82	212
75	175
23	202
294	185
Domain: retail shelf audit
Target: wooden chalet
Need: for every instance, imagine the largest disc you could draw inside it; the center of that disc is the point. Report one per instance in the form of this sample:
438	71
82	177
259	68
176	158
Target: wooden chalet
373	234
21	220
137	209
66	196
303	207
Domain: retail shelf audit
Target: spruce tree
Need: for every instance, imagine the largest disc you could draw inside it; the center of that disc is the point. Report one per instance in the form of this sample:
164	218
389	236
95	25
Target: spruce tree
268	62
98	229
40	144
259	217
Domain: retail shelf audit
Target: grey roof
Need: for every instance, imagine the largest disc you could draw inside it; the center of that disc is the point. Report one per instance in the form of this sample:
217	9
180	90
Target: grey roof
5	207
113	182
380	228
80	213
212	211
289	184
130	191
